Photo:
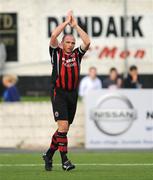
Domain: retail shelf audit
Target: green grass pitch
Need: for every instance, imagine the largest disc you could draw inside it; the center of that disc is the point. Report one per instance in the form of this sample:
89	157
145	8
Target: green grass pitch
89	166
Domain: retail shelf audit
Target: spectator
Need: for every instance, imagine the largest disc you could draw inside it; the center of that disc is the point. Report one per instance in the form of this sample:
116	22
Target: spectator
119	82
132	81
113	81
11	93
2	55
90	82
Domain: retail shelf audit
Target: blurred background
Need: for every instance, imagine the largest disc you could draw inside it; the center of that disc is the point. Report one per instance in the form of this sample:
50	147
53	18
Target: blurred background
121	53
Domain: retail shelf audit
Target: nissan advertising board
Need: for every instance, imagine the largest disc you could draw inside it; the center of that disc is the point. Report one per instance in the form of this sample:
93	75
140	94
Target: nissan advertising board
119	119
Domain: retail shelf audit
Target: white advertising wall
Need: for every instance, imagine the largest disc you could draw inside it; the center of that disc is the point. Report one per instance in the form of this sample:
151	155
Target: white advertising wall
121	33
119	119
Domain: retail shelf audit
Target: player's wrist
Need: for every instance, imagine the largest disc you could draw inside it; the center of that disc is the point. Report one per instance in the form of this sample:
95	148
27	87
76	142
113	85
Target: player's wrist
75	26
66	22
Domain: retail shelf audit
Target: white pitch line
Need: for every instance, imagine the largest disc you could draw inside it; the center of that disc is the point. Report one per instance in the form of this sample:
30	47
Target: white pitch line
90	164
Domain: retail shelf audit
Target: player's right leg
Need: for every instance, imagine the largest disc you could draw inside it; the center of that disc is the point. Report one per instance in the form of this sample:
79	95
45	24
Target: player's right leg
59	139
47	157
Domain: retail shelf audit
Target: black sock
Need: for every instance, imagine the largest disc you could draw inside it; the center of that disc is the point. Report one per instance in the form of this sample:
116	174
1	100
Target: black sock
53	146
62	145
63	157
50	153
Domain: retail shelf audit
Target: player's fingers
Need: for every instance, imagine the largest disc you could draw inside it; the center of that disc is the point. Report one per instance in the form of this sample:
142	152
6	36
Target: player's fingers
70	13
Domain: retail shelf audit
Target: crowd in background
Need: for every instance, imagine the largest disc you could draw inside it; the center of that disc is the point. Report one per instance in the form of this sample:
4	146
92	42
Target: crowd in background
113	81
10	93
89	82
8	82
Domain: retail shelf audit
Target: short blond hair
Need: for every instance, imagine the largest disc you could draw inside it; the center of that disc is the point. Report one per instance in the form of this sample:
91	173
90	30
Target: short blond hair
13	79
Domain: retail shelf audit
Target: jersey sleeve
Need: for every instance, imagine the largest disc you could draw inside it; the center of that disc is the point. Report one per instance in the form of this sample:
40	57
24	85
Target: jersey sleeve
81	53
53	54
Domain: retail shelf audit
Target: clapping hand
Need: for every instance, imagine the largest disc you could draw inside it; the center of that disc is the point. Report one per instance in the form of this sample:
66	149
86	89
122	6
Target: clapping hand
69	17
73	22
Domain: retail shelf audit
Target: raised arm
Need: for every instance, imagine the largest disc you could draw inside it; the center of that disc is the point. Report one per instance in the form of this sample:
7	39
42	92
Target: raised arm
84	36
59	29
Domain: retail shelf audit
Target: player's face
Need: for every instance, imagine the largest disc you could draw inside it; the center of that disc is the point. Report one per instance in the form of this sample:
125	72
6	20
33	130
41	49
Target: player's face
69	43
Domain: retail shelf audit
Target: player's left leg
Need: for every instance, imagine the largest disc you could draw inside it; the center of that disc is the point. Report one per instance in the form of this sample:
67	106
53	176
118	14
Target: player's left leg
62	140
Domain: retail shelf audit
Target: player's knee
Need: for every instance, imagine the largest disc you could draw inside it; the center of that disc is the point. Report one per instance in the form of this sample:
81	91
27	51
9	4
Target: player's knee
63	129
63	126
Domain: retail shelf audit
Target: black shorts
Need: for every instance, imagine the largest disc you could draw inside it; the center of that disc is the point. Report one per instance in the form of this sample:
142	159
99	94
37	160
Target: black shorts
64	104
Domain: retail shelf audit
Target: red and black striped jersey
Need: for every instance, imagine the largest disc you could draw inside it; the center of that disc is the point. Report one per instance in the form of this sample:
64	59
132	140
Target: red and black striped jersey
66	68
